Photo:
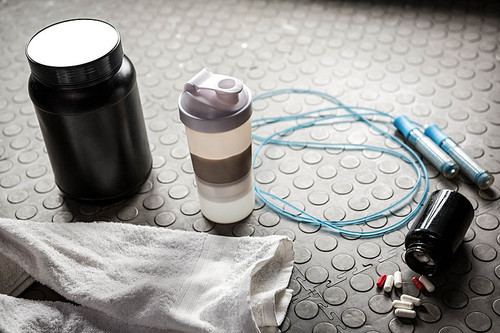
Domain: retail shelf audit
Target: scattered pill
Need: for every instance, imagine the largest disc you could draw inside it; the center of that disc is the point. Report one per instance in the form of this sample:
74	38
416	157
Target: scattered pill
398	279
389	281
427	284
417	283
407	298
404	313
381	280
402	305
422	257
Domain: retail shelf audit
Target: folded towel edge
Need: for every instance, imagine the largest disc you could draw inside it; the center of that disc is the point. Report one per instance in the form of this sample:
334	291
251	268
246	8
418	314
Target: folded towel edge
275	306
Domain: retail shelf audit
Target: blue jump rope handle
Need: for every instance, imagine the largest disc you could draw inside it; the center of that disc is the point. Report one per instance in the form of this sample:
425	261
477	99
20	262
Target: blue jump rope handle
424	145
481	177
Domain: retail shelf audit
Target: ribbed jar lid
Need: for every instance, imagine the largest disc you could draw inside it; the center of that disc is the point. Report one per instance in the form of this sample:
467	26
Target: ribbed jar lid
75	52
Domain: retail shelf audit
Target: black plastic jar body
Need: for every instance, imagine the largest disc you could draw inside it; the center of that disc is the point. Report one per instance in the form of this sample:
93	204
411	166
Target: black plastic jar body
435	236
91	119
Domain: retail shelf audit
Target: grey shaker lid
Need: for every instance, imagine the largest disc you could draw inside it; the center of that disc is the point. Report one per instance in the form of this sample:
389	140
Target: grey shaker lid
214	103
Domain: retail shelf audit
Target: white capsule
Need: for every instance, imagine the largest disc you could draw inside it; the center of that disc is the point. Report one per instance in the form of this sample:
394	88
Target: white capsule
427	284
388	283
422	257
402	305
398	279
407	298
404	313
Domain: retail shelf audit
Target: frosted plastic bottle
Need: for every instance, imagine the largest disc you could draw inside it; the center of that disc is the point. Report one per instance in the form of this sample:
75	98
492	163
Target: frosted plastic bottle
216	111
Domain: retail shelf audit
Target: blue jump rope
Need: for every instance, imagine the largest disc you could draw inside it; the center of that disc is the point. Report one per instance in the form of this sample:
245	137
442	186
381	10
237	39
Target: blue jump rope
322	118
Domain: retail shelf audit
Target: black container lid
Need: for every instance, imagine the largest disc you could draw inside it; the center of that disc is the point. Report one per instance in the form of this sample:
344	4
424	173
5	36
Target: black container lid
75	52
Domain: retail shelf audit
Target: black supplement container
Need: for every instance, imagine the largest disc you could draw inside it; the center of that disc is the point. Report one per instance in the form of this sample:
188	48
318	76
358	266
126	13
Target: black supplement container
87	103
439	230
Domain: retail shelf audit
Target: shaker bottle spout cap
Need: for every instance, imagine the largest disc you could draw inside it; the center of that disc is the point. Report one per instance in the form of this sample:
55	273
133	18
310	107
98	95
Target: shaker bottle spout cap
214	103
226	88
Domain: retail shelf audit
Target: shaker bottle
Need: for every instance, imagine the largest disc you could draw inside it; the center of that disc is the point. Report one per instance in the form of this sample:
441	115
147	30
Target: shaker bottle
87	103
216	110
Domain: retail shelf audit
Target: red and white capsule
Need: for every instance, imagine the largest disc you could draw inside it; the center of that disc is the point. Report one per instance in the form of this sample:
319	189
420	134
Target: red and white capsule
389	282
427	284
381	280
418	284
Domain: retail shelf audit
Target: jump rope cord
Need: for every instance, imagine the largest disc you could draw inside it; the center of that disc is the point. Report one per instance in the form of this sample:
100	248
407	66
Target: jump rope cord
321	117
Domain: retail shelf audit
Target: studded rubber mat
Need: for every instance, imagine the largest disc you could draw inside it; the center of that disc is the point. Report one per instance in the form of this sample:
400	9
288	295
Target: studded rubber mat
434	61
